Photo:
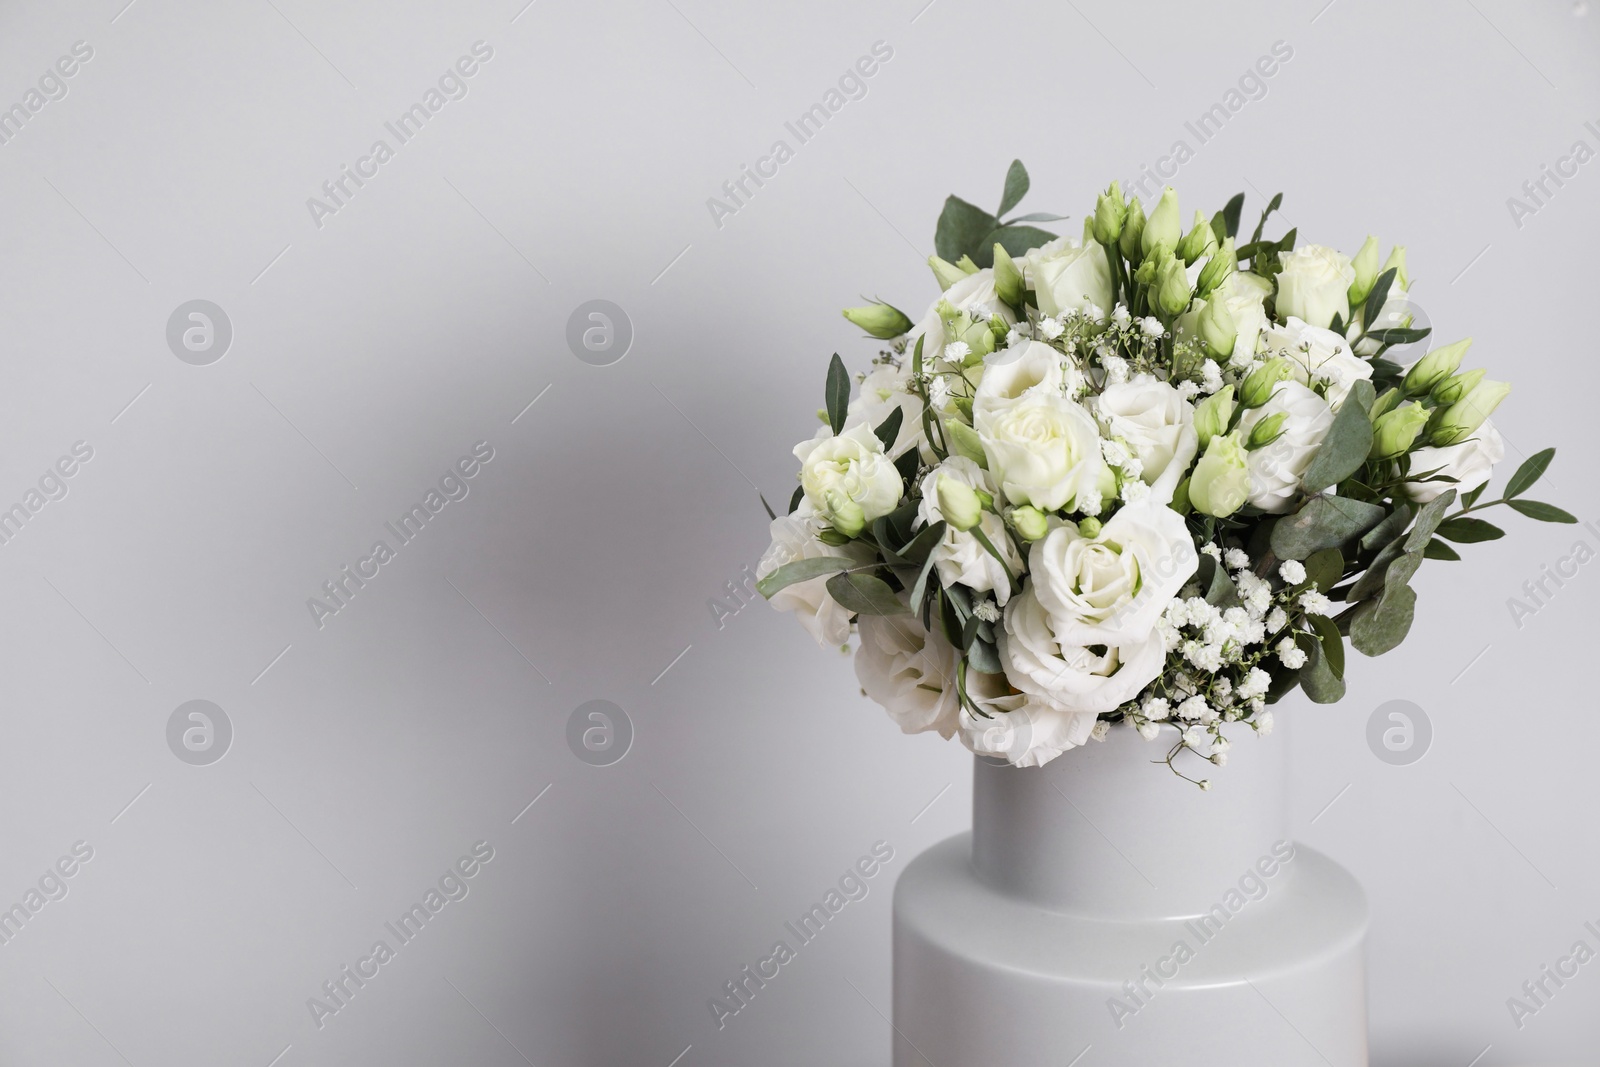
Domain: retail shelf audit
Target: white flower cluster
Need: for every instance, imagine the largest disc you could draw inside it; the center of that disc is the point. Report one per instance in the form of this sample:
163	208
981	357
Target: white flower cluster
1046	518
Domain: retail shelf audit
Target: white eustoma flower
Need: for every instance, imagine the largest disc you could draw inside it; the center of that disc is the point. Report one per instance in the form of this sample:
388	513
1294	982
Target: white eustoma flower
1020	729
1314	285
909	671
794	538
1045	451
1470	463
1011	375
1068	677
848	467
1158	424
974	292
1067	275
1112	587
1317	355
959	557
1275	469
882	390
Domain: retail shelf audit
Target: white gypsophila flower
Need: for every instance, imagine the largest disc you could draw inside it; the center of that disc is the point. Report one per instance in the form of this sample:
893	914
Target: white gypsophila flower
1195	737
1090	502
1237	558
938	396
960	557
987	611
1069	676
1275	469
1152	326
1262	721
1112	451
794	538
1101	729
1292	571
1112	586
1211	549
1133	467
979	311
910	672
1290	654
1116	369
1120	316
1188	390
1134	491
1316	355
1156	423
1221	690
1095	313
1254	685
1277	619
1470	463
1210	376
1050	328
956	351
1013	336
1156	709
1149	731
1254	592
1314	603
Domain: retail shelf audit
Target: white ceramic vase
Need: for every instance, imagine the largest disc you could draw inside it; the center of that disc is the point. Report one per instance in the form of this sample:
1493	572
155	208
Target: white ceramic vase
1105	912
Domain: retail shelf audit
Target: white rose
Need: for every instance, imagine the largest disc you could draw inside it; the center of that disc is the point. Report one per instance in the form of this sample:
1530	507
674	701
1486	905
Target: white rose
1021	730
848	467
1275	470
1025	369
959	557
1314	285
794	538
1158	425
1114	586
1069	677
910	671
974	294
1045	451
1245	296
1067	275
882	390
1317	355
1470	463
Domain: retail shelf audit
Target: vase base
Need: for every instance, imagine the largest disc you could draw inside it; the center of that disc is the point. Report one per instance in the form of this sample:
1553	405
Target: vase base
1274	974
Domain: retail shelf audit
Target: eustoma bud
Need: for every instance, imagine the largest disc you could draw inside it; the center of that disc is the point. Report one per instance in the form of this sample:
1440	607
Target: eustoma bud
879	320
1450	390
1435	367
1212	415
1199	242
1397	260
945	272
1395	431
1266	431
1029	522
1257	388
1172	285
1464	417
845	514
1132	240
1110	210
1222	263
958	503
1217	329
1163	229
1220	483
1366	266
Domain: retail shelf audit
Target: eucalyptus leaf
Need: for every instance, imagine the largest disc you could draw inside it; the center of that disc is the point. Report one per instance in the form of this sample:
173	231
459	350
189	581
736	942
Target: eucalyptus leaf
1324	522
1015	240
1343	451
1532	470
1543	512
1016	186
984	658
838	393
802	570
919	546
1036	216
1324	568
1428	519
1332	644
865	595
1317	677
1387	530
1380	625
961	231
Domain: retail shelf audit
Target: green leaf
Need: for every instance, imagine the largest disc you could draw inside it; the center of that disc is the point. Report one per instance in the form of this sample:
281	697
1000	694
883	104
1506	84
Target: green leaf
909	463
919	589
961	231
1543	512
802	570
1324	568
1016	187
1230	215
1428	520
1036	216
1387	530
1324	522
1437	549
1399	335
1015	240
838	393
1332	643
1220	590
984	658
1471	498
865	595
1467	531
773	515
1273	205
1377	297
889	429
1343	451
1379	625
1530	471
1317	677
794	501
966	442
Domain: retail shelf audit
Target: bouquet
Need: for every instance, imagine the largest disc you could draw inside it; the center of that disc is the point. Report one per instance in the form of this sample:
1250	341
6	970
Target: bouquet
1146	476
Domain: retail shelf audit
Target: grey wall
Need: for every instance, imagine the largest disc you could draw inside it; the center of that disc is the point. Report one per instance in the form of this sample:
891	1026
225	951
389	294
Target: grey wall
370	353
